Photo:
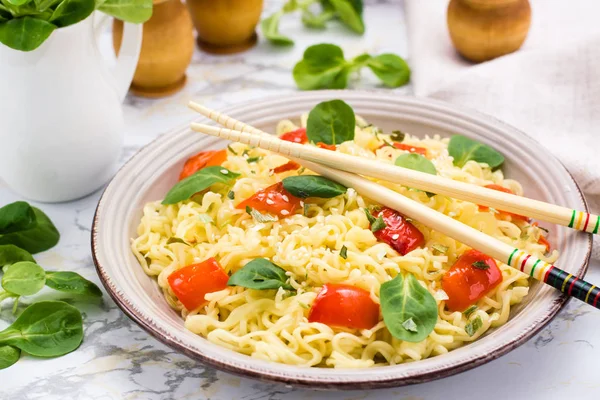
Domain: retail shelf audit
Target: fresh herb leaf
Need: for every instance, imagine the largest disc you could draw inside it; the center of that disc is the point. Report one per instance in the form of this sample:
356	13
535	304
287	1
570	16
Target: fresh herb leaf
410	325
70	12
440	248
25	33
331	122
405	298
344	252
39	237
416	162
260	274
467	313
248	210
463	149
231	195
397	136
46	329
312	186
17	216
316	21
270	29
260	217
322	67
24	278
175	239
370	216
378	224
71	282
10	254
480	265
473	326
231	150
198	182
305	208
253	159
350	13
134	11
8	356
391	69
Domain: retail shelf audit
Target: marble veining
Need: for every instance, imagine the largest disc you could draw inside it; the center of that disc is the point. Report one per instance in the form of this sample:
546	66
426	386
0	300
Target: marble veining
118	360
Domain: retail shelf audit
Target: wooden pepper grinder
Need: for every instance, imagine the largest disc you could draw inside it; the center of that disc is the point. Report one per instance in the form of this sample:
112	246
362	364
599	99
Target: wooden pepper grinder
167	48
485	29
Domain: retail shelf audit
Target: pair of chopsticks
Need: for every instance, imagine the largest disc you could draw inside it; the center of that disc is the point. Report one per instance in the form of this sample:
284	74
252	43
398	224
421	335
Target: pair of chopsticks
337	166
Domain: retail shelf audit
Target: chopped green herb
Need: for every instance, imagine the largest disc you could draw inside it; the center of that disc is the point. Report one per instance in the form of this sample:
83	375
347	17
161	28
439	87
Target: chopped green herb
440	248
524	236
254	159
370	216
231	195
260	217
473	326
397	136
245	153
410	325
304	305
544	229
301	170
344	252
231	150
174	239
378	225
467	313
305	209
248	210
480	265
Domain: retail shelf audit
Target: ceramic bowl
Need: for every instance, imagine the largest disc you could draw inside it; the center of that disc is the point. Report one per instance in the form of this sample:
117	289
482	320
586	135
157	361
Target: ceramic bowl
154	169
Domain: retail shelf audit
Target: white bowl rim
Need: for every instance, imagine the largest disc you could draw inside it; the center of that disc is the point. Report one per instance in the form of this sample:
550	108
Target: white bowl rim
321	378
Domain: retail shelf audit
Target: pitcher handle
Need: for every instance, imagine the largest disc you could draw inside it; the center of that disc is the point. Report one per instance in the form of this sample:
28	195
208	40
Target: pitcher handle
129	54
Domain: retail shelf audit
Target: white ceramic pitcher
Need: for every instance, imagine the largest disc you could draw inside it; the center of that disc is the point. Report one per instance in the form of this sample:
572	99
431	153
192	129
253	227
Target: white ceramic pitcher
61	123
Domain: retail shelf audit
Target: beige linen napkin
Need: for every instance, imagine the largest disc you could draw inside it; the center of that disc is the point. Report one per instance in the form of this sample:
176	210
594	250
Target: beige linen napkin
549	89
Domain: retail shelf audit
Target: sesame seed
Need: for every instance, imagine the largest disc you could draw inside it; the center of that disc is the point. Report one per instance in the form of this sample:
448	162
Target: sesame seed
395	237
224	171
284	212
269	201
285	198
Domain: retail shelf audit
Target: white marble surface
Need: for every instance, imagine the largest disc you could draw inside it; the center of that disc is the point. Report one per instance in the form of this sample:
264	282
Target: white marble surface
120	361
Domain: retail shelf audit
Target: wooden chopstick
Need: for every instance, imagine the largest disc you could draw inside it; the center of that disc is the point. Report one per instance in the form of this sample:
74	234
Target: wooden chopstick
516	258
430	183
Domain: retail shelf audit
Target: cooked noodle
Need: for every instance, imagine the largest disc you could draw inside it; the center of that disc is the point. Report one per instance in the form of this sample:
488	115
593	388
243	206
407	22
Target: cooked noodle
272	324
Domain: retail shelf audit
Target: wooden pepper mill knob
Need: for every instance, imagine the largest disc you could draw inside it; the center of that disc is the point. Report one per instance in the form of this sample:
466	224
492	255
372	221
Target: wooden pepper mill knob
485	29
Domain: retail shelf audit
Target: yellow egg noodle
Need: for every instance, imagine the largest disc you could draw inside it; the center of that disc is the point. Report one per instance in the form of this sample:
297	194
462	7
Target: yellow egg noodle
273	325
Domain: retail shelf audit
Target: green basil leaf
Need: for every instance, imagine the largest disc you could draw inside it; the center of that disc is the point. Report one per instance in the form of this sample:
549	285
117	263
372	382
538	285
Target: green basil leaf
11	254
260	274
43	5
312	186
391	69
26	33
322	67
70	12
24	278
135	11
350	12
40	237
404	298
198	182
270	29
317	21
16	217
473	326
331	122
8	356
46	329
416	162
71	282
463	149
